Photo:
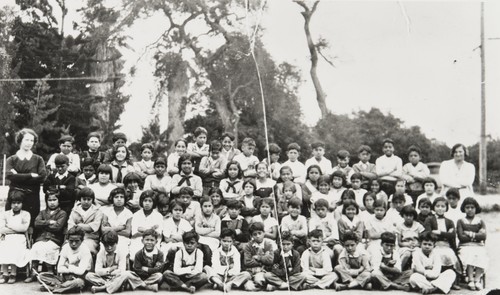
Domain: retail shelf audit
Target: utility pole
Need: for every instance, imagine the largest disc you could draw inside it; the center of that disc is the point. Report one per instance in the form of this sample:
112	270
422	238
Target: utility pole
483	179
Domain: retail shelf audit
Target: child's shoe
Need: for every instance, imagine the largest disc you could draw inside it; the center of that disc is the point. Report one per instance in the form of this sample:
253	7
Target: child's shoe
270	287
2	280
368	286
340	287
12	279
479	286
472	286
153	287
30	279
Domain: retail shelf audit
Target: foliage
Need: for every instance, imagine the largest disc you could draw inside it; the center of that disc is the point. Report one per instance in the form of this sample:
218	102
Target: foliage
492	161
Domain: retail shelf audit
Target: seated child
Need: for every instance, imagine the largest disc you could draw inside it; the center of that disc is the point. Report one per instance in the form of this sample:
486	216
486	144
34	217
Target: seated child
159	182
145	167
454	213
354	265
322	192
233	220
287	194
103	187
349	221
428	274
62	181
120	164
75	261
386	265
220	209
163	206
231	186
393	215
318	152
368	202
265	184
119	139
212	167
286	174
343	158
270	223
347	195
424	206
66	146
225	271
377	225
364	167
408	232
249	201
199	148
338	186
187	273
173	159
377	190
414	172
317	264
228	150
208	225
429	186
248	162
88	176
257	255
87	217
285	271
310	188
186	178
118	218
149	262
400	188
191	208
174	227
324	221
298	169
358	191
133	183
295	225
13	226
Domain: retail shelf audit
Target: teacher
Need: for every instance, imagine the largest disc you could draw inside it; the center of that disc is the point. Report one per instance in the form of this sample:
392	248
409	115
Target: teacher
26	172
457	173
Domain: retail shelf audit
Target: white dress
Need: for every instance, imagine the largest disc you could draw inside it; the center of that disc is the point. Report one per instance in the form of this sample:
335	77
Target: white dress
13	249
139	219
116	220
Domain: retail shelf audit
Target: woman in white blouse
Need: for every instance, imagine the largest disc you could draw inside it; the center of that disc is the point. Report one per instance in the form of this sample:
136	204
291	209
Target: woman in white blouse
458	173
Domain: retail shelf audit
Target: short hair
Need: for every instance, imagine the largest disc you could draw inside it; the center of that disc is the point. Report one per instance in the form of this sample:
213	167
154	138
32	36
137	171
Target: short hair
21	133
364	148
430	180
119	135
408	210
286	236
176	203
414	148
200	130
53	193
324	179
75	231
66	138
131	177
293	146
106	169
204	200
388	237
349	203
109	238
116	191
453	192
248	141
340	174
428	236
215	146
289	185
371	195
295	202
387	140
317	144
347	194
227	232
397	196
274	148
150	232
233	204
61	160
256	226
343	154
321	203
215	190
180	140
356	176
440	199
249	181
350	236
160	161
88	162
115	149
148	194
470	201
458	145
16	196
424	201
184	157
227	134
266	201
186	190
401	180
85	192
379	203
94	134
240	172
147	146
163	200
285	167
315	233
189	236
313	166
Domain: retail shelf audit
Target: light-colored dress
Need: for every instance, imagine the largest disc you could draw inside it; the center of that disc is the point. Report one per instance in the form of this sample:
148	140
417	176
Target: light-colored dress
452	176
139	219
174	231
13	248
119	220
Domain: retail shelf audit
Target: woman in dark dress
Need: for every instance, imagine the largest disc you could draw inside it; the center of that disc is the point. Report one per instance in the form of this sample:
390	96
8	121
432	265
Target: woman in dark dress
26	172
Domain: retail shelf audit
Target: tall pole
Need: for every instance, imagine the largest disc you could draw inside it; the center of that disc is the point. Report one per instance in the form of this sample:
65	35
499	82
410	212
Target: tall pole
482	142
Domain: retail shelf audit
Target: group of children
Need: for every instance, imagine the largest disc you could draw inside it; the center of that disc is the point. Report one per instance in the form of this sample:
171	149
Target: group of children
212	214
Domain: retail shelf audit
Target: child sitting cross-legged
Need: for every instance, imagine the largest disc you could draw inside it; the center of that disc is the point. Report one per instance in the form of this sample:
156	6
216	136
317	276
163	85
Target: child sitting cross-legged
324	221
149	262
317	264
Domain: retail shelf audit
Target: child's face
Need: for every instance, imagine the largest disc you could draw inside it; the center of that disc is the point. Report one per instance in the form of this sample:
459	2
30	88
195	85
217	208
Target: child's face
247	150
375	187
185	199
414	157
452	201
427	247
321	211
201	139
227	143
121	154
440	208
356	183
163	209
52	202
226	243
133	186
177	212
425	209
286	174
248	189
149	243
216	199
314	174
274	157
293	211
258	236
288	193
343	162
93	143
292	155
369	203
350	246
261	171
265	209
119	142
103	178
62	168
350	212
429	188
233	212
119	200
190	246
408	219
287	246
470	210
215	155
318	153
160	169
388	149
147	204
86	202
324	188
207	208
147	154
16	206
180	147
398	204
233	171
110	248
187	167
74	241
400	187
316	243
364	156
388	247
88	171
337	182
66	147
379	212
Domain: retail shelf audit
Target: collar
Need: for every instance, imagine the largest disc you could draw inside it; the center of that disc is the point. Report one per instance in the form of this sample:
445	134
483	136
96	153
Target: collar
239	217
123	165
356	254
79	209
24	155
259	246
349	222
63	175
184	174
150	254
287	254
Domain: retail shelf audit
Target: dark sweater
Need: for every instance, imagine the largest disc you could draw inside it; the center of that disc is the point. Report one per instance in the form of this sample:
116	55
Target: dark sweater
67	195
450	237
154	264
292	264
44	231
24	168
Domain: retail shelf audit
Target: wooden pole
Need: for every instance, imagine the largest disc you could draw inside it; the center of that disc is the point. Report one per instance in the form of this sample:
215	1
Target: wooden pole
483	180
4	172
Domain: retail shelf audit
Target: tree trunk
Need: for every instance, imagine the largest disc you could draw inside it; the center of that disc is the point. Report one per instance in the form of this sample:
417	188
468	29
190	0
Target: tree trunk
230	118
177	91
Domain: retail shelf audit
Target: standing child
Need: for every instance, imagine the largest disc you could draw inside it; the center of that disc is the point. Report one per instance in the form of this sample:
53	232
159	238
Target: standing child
191	208
173	228
187	273
63	182
233	220
103	187
66	146
389	167
358	191
317	264
246	159
408	232
424	206
377	225
13	226
119	139
75	261
88	176
231	186
257	255
49	225
118	218
228	150
364	167
120	165
87	217
149	262
159	182
208	225
285	272
430	186
295	224
349	221
249	201
472	236
343	158
186	178
318	151
212	167
310	188
454	213
298	169
145	167
414	172
354	265
173	159
93	143
199	148
270	223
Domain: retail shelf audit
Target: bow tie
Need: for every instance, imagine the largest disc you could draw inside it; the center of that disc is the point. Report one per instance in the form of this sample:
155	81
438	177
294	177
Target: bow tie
230	185
185	178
